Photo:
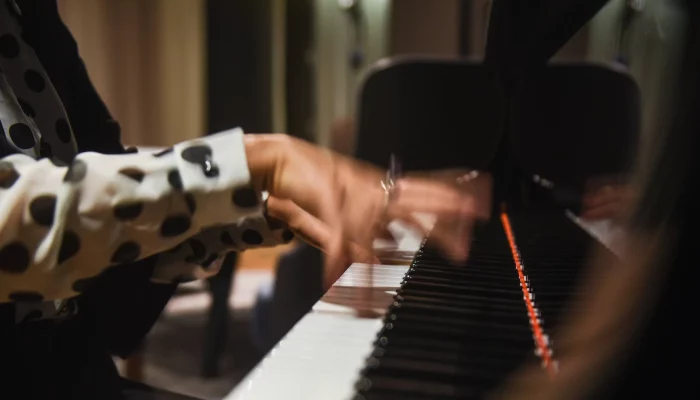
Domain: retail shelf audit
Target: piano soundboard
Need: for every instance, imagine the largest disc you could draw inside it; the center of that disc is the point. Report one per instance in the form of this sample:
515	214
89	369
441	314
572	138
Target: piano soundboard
442	331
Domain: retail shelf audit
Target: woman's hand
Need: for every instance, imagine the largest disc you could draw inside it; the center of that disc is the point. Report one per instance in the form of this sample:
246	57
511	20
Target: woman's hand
607	202
338	204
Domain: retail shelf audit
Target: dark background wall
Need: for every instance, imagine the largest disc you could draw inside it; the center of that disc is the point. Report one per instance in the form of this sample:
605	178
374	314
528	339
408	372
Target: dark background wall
300	97
239	65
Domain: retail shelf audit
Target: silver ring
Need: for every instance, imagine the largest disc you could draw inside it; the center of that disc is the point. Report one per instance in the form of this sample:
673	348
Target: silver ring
389	185
466	178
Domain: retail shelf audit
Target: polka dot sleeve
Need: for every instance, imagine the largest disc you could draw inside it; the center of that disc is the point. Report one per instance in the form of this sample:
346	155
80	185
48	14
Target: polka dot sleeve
62	225
199	257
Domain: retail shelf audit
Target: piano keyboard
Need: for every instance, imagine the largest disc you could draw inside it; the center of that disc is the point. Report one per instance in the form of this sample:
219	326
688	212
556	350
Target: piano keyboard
444	331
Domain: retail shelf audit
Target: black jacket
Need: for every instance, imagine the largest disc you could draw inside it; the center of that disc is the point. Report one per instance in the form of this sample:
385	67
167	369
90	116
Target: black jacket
73	359
121	307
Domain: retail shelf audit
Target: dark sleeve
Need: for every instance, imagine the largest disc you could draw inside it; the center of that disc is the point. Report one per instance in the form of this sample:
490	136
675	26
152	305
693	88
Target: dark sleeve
93	126
120	318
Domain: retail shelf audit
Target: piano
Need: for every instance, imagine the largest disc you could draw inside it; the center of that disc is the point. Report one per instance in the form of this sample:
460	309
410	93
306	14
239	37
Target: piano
446	331
425	342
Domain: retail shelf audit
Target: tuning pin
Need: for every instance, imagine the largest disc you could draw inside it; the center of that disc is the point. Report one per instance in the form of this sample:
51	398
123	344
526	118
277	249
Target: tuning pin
363	385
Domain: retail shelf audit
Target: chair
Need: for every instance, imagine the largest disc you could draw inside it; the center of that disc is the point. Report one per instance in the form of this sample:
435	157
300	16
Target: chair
567	123
419	109
219	314
433	113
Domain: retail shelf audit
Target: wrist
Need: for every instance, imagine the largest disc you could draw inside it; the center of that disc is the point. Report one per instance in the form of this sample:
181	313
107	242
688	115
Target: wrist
263	153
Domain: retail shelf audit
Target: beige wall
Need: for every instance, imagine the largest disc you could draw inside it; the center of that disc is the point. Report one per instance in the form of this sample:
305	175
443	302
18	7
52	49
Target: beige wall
146	59
279	51
336	83
478	26
428	27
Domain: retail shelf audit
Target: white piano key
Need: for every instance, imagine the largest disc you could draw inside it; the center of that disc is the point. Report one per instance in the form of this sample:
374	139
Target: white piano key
321	357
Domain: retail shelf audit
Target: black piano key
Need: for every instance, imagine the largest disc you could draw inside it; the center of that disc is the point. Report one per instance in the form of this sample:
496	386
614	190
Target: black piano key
377	394
471	297
457	329
479	304
453	315
467	284
475	375
471	330
454	355
418	341
463	272
513	294
376	386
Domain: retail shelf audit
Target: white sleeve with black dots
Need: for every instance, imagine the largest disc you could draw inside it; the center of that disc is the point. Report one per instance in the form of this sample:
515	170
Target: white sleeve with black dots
63	225
199	256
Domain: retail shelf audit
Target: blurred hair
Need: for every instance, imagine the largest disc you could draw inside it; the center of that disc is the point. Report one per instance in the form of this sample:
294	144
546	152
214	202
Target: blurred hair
632	335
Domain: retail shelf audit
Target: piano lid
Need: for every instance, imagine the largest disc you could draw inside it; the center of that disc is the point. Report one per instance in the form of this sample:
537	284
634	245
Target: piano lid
526	33
523	35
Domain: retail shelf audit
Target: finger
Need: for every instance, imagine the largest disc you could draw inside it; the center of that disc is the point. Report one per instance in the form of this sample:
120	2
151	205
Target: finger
335	260
384	234
338	256
309	228
421	196
365	217
455	213
442	200
454	240
602	208
603	196
308	177
306	227
607	210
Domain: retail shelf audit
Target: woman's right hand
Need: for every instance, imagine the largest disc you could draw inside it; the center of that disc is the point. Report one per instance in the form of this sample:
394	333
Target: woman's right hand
338	204
612	202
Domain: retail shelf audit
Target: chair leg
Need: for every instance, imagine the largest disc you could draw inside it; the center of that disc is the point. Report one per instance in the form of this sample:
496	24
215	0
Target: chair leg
216	330
298	286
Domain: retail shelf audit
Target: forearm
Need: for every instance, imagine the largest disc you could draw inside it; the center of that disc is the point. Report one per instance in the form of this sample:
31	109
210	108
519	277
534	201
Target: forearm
65	225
